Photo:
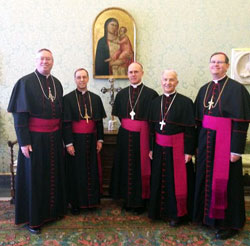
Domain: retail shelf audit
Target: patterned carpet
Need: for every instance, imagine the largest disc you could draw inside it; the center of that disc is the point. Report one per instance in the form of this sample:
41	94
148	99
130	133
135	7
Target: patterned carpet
111	226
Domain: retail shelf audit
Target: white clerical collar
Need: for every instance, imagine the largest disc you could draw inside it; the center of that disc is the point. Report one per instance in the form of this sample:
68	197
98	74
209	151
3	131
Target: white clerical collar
135	86
83	92
216	80
169	94
46	76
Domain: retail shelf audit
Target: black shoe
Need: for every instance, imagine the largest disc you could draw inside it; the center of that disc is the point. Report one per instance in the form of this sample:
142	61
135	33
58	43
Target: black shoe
75	211
33	230
224	234
174	223
127	209
139	211
179	221
59	217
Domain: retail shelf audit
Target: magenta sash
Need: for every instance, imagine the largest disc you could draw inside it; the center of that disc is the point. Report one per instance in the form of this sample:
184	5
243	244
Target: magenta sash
143	128
222	126
180	173
83	127
44	125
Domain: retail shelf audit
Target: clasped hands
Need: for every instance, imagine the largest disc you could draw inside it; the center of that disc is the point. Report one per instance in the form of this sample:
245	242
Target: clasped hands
71	149
187	157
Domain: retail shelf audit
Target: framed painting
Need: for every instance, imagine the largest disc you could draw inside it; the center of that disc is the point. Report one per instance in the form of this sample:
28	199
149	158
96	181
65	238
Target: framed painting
114	44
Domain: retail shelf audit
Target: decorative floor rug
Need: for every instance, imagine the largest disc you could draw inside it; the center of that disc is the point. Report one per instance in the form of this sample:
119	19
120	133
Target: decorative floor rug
110	225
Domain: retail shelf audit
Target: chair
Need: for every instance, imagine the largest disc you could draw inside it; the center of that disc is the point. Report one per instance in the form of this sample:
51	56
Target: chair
13	165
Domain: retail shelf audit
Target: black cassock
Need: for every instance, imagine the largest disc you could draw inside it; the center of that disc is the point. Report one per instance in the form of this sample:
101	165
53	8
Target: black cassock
126	172
179	119
233	104
40	191
83	185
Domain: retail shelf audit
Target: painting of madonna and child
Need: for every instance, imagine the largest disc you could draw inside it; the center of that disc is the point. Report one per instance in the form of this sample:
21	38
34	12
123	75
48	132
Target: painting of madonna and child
114	41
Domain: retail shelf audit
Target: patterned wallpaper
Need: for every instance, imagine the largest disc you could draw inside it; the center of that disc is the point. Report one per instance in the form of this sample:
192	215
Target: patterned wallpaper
179	34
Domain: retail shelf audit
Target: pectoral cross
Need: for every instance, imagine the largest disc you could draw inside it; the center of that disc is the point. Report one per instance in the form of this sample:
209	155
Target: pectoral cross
51	96
86	116
210	103
162	123
132	114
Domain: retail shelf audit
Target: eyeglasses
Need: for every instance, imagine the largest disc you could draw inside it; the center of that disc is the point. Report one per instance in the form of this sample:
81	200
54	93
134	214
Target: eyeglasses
217	62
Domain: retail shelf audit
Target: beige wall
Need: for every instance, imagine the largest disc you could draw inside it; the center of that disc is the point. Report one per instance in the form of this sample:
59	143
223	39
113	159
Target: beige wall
178	34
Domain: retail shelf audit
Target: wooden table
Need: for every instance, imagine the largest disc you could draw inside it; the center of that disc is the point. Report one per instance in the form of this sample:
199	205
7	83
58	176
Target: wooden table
107	157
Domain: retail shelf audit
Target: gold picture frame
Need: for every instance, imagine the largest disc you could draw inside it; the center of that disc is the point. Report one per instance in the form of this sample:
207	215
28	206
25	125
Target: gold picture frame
114	44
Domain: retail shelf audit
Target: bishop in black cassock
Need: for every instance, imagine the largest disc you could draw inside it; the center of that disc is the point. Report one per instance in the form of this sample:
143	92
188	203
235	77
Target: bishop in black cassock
222	110
83	137
173	143
130	179
36	104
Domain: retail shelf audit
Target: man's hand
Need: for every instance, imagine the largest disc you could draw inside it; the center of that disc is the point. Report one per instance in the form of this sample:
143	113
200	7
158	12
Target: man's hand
150	154
71	150
234	158
98	146
188	158
26	150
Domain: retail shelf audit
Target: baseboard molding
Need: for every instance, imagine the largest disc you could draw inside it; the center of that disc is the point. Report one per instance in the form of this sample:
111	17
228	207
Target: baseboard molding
5	199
